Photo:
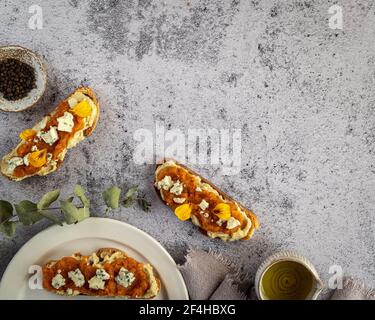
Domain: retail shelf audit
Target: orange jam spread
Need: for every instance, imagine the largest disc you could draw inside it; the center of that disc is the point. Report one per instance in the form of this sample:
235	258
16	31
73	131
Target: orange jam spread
137	288
207	218
54	149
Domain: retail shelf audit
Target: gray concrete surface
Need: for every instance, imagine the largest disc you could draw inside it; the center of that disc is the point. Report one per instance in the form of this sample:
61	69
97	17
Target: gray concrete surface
302	93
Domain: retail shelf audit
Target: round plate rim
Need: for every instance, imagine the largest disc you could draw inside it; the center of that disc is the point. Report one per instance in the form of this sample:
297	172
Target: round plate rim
21	252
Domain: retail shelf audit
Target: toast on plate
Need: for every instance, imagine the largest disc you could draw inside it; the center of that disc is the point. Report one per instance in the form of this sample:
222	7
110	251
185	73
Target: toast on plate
43	147
108	272
194	198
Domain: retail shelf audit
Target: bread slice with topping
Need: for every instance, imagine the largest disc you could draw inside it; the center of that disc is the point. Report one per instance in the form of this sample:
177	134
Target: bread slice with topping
107	272
194	198
43	147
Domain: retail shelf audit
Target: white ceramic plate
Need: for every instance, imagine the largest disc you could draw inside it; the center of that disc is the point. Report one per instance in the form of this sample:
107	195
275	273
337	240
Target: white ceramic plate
86	237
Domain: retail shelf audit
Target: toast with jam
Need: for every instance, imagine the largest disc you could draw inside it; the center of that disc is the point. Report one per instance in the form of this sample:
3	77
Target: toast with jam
108	272
194	198
43	147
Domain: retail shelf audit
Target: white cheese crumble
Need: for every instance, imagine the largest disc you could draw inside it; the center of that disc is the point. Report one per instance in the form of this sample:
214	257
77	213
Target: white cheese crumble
72	102
65	123
102	274
232	223
69	292
166	183
125	278
98	282
26	160
34	148
51	136
58	281
75	98
77	277
195	220
177	188
206	215
15	162
179	200
204	205
79	96
198	189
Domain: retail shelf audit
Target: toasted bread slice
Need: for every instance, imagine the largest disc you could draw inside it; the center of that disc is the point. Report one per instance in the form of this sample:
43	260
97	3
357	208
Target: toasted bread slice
108	272
50	138
194	197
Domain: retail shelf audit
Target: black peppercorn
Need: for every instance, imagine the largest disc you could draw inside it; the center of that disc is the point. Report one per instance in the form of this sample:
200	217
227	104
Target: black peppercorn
17	79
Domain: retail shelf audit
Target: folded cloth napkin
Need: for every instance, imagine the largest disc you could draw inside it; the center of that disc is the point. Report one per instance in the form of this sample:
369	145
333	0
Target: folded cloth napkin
353	289
209	276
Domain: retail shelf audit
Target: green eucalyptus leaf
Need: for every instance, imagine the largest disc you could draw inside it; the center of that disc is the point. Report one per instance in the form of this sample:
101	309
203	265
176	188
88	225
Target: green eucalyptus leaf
111	197
131	193
144	204
6	210
9	228
49	215
128	202
83	213
72	214
48	199
130	197
80	193
69	210
28	212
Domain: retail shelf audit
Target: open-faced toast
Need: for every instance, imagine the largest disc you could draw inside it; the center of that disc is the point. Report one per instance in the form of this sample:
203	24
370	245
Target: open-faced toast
43	147
107	272
191	196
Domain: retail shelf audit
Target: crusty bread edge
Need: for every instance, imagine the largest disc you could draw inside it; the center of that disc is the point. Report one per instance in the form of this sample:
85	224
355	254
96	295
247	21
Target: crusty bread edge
254	219
111	251
85	90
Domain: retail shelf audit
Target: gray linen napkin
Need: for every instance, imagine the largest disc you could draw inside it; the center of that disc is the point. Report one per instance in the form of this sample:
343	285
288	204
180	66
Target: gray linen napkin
353	289
209	276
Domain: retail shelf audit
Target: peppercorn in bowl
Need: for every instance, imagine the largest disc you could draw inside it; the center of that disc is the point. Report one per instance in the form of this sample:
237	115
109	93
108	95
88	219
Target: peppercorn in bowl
23	78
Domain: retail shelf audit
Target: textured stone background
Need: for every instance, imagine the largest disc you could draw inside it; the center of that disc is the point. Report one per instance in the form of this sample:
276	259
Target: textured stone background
302	93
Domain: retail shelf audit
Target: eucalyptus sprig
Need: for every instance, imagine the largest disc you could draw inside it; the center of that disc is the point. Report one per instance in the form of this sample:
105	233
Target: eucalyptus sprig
28	213
132	195
112	198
